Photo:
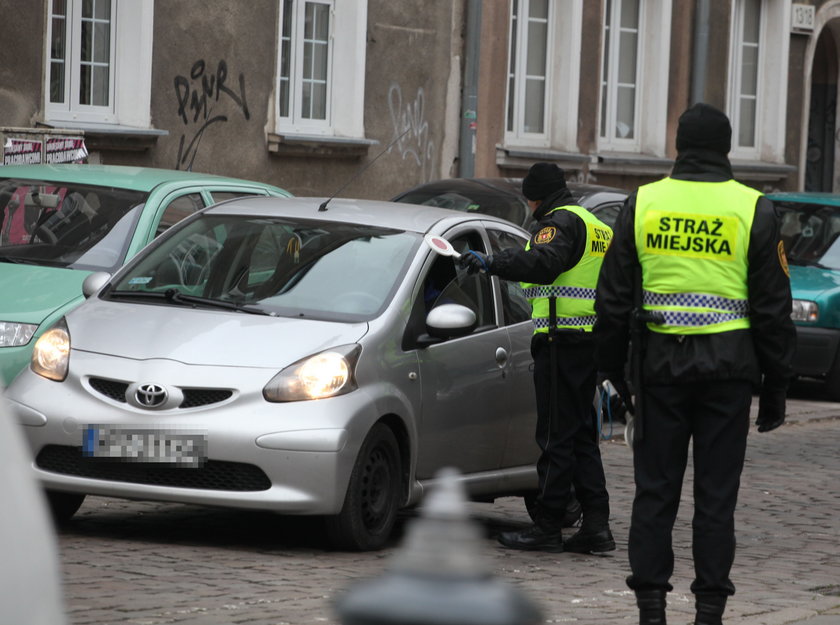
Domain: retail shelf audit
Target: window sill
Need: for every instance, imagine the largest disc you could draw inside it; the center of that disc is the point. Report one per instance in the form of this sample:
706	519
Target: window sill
521	158
319	146
631	163
111	136
761	171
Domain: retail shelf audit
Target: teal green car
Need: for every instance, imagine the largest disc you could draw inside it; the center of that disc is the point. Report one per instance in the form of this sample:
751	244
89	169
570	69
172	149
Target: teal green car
60	223
810	229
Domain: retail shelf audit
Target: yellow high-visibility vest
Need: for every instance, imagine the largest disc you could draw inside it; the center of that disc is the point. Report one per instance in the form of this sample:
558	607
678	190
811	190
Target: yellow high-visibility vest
692	239
574	289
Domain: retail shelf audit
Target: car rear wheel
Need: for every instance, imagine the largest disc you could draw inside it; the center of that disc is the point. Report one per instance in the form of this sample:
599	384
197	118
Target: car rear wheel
63	505
373	495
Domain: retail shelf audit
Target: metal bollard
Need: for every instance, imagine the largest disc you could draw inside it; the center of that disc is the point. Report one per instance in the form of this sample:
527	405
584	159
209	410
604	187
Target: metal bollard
438	576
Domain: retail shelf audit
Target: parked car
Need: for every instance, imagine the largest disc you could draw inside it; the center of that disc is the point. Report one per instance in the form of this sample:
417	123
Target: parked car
502	197
267	354
59	223
810	227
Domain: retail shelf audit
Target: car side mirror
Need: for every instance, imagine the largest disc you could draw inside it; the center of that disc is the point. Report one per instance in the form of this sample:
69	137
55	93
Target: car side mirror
448	321
94	282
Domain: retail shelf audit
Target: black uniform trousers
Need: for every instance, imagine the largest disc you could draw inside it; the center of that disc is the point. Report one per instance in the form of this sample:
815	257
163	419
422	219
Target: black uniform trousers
714	415
570	453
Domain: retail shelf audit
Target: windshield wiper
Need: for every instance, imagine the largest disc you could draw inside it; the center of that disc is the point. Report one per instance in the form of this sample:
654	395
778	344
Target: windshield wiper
807	263
176	297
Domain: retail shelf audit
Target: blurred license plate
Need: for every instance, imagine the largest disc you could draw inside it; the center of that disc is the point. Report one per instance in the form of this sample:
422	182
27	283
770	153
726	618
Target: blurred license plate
154	446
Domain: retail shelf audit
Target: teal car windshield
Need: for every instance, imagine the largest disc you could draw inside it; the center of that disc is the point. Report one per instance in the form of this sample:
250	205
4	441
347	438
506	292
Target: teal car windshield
810	234
69	225
270	265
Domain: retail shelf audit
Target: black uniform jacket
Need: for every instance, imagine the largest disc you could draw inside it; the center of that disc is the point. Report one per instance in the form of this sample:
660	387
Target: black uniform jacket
764	349
543	262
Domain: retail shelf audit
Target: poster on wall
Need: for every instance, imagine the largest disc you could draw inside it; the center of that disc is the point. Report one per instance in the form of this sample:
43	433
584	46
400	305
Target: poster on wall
66	150
22	151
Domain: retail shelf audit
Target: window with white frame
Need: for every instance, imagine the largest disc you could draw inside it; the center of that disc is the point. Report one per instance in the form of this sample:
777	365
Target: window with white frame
746	46
620	71
528	80
633	99
99	61
321	53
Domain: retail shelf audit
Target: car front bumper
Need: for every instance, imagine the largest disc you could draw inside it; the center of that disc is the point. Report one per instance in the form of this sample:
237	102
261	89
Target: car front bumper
816	351
293	457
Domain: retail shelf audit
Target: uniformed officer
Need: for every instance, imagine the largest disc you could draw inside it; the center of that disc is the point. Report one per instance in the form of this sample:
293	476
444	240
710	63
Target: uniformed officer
713	275
558	269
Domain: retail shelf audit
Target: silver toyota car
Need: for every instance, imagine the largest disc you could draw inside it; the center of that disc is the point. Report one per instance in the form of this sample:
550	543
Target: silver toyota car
292	355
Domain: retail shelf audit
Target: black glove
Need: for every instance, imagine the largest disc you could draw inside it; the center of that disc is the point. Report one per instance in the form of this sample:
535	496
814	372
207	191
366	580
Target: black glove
616	378
771	409
474	261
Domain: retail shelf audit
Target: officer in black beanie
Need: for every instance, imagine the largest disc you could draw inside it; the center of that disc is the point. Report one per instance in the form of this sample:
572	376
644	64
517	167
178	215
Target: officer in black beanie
706	256
558	269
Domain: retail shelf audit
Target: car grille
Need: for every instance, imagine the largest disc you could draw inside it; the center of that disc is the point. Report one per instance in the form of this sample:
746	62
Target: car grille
193	397
213	475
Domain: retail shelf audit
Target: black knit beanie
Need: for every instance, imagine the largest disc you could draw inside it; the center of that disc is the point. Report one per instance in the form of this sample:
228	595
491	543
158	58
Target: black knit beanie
704	127
543	179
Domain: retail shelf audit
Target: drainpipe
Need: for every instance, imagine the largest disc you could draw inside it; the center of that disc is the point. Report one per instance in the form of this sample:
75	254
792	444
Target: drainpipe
701	51
469	100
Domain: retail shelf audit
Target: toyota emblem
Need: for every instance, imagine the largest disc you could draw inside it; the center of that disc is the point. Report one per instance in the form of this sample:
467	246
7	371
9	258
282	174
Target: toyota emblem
150	395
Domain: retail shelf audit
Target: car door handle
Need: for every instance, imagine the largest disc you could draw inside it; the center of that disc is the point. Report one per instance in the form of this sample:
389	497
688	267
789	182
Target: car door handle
501	356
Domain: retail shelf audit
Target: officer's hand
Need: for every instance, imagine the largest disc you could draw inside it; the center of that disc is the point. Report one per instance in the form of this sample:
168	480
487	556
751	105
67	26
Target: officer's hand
616	378
771	409
474	261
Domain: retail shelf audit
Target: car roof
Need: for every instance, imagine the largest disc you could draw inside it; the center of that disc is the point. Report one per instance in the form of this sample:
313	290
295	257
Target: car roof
408	217
805	197
121	176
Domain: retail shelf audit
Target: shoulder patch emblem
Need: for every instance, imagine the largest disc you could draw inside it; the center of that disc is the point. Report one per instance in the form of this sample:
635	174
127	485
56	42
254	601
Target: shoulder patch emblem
782	258
546	235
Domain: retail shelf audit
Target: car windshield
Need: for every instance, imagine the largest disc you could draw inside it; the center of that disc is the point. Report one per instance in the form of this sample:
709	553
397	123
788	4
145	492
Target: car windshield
62	224
809	232
272	265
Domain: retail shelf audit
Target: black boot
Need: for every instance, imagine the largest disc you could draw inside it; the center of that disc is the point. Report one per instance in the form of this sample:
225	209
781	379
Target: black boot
709	609
594	535
544	535
651	606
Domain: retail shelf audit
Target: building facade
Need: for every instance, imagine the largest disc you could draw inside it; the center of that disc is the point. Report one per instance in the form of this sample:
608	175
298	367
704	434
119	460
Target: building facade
366	98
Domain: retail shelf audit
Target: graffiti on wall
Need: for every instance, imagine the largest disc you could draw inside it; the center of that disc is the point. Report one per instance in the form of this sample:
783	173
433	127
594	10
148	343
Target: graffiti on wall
198	96
412	135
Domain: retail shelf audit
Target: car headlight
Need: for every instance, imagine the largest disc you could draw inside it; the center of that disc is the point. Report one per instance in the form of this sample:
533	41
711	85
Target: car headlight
804	310
15	334
51	354
322	375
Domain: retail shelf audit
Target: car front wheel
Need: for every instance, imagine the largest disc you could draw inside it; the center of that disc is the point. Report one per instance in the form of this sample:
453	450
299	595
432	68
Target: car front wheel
63	505
373	495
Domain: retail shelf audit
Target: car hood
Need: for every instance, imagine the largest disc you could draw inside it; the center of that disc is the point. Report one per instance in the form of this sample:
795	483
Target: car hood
31	292
810	283
201	336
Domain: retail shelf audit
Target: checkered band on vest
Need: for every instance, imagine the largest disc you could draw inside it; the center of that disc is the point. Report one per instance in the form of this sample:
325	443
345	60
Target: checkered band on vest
696	300
693	319
572	292
565	321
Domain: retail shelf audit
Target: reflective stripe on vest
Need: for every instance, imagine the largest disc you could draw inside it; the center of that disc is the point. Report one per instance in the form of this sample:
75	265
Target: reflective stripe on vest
574	289
695	233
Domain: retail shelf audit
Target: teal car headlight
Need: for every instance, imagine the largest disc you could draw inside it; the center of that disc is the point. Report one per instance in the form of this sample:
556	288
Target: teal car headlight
319	376
51	354
804	310
15	334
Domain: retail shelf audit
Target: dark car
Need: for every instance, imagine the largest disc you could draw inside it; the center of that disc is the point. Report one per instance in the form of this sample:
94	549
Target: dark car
502	197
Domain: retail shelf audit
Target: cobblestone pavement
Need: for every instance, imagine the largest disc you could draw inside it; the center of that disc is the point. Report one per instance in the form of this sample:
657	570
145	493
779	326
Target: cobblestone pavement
142	563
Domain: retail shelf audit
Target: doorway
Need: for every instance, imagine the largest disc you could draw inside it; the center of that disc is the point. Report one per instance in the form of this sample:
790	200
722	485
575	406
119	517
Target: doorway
819	160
